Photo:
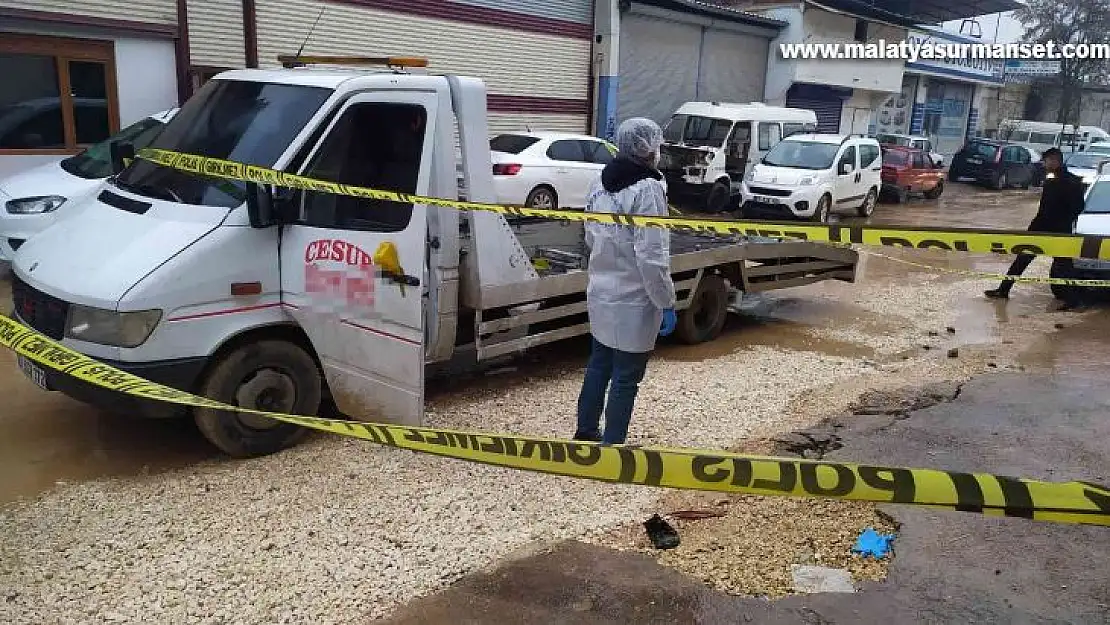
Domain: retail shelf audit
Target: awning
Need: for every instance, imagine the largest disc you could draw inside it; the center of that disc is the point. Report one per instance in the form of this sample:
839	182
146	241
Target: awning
913	12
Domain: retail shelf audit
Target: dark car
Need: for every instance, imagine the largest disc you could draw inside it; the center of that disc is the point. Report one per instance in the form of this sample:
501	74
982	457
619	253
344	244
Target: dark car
995	163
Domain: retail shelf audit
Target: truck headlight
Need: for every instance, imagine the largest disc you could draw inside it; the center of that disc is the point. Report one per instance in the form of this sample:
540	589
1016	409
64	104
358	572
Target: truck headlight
808	180
34	205
750	176
108	327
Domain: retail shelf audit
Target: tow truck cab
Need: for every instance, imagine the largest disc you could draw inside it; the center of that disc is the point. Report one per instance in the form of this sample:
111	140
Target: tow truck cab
244	294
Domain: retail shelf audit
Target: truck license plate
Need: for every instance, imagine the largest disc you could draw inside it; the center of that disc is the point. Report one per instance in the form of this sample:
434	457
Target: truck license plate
763	199
975	161
34	372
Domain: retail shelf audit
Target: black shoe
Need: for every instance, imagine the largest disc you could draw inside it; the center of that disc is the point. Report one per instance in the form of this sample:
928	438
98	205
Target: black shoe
589	437
997	294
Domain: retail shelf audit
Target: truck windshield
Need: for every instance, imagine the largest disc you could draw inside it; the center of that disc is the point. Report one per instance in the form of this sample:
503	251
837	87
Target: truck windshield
96	161
802	154
1084	160
1098	198
243	121
695	130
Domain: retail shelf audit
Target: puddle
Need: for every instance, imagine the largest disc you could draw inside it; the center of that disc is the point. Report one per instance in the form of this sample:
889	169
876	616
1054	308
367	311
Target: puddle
1082	349
786	322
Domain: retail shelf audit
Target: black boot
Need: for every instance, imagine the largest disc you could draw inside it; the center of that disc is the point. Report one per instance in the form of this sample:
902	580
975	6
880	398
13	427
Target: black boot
999	293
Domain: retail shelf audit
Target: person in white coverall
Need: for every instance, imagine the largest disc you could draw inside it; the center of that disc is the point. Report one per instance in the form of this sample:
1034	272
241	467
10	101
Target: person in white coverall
630	297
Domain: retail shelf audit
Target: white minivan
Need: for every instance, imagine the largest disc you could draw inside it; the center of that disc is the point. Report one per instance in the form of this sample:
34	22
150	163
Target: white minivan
809	176
34	199
709	146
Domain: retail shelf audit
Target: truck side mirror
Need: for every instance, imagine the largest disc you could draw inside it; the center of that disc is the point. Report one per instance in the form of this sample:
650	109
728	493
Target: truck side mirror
121	153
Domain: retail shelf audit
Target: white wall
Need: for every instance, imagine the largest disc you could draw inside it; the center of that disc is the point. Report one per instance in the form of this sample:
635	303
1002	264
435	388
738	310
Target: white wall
780	72
146	75
815	25
859	109
876	74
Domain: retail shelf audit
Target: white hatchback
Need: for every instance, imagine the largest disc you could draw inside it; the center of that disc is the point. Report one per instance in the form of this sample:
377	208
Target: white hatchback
34	199
547	169
809	176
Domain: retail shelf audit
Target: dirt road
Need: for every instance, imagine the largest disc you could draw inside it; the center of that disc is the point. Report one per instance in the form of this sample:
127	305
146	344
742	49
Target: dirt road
108	518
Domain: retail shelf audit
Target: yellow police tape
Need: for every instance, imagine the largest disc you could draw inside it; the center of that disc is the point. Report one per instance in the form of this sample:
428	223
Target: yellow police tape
691	469
954	239
998	277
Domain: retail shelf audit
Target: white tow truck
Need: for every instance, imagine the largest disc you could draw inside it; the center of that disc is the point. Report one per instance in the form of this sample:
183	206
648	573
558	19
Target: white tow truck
283	300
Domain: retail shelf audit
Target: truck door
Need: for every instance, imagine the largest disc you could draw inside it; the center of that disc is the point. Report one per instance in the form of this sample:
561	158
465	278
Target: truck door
353	270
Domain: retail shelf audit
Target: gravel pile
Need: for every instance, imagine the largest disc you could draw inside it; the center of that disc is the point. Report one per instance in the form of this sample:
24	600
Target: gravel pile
337	530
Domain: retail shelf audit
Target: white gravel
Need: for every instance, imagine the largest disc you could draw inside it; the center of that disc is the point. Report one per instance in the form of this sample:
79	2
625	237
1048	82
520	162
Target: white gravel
338	531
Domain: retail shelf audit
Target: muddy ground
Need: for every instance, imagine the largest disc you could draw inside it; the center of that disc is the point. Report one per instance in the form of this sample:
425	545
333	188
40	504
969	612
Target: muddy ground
971	384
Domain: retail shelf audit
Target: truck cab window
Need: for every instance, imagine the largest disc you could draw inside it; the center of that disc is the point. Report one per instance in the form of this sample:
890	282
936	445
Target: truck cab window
377	145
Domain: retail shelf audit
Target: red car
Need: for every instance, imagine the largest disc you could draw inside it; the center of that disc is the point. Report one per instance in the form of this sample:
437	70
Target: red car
909	170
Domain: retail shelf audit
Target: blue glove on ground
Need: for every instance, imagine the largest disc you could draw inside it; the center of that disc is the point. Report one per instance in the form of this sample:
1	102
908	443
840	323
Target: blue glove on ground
670	320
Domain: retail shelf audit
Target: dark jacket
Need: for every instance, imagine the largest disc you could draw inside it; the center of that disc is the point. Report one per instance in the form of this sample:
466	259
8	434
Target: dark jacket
1061	203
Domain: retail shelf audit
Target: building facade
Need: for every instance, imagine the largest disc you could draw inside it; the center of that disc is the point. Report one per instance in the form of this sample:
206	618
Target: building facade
74	73
949	96
846	95
141	56
653	56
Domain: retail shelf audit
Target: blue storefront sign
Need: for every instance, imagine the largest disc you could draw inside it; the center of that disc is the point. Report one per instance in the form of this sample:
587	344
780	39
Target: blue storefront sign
981	70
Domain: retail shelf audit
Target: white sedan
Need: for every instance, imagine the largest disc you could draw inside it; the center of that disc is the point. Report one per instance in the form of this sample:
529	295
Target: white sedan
34	199
547	169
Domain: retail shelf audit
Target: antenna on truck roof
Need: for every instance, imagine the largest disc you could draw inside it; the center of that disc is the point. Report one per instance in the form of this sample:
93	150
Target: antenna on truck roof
311	30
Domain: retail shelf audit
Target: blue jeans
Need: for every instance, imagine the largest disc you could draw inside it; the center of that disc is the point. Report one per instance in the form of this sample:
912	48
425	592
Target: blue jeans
620	373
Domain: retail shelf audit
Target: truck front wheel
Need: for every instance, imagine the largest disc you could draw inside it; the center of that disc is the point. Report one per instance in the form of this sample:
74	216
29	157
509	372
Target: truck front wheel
271	375
707	313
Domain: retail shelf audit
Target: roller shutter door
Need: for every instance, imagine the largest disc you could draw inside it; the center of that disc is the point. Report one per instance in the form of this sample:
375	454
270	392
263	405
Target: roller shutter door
659	60
826	105
733	67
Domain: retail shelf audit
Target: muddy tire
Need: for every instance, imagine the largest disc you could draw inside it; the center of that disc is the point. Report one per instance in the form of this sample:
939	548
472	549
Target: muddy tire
272	375
868	207
542	197
707	313
935	192
824	207
718	197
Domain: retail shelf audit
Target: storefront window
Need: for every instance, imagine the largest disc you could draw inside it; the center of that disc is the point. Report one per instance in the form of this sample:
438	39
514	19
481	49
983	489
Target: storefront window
947	105
58	94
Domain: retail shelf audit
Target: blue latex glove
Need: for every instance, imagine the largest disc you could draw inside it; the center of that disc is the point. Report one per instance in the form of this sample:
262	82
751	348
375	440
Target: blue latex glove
873	544
670	320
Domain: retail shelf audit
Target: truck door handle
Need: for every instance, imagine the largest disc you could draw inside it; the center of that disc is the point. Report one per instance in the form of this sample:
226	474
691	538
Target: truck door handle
400	278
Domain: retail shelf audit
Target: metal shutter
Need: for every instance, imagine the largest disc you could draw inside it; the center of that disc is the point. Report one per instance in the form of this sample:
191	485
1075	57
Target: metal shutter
827	111
733	67
659	60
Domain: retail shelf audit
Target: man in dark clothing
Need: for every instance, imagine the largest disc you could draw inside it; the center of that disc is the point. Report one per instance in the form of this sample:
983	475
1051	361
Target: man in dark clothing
1061	202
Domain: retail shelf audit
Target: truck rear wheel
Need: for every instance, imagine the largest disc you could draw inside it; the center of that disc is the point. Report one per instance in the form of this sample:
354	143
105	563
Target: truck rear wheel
271	375
708	311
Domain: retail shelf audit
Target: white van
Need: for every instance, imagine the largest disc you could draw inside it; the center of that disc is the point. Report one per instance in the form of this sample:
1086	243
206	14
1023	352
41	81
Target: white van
708	146
810	176
1041	136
